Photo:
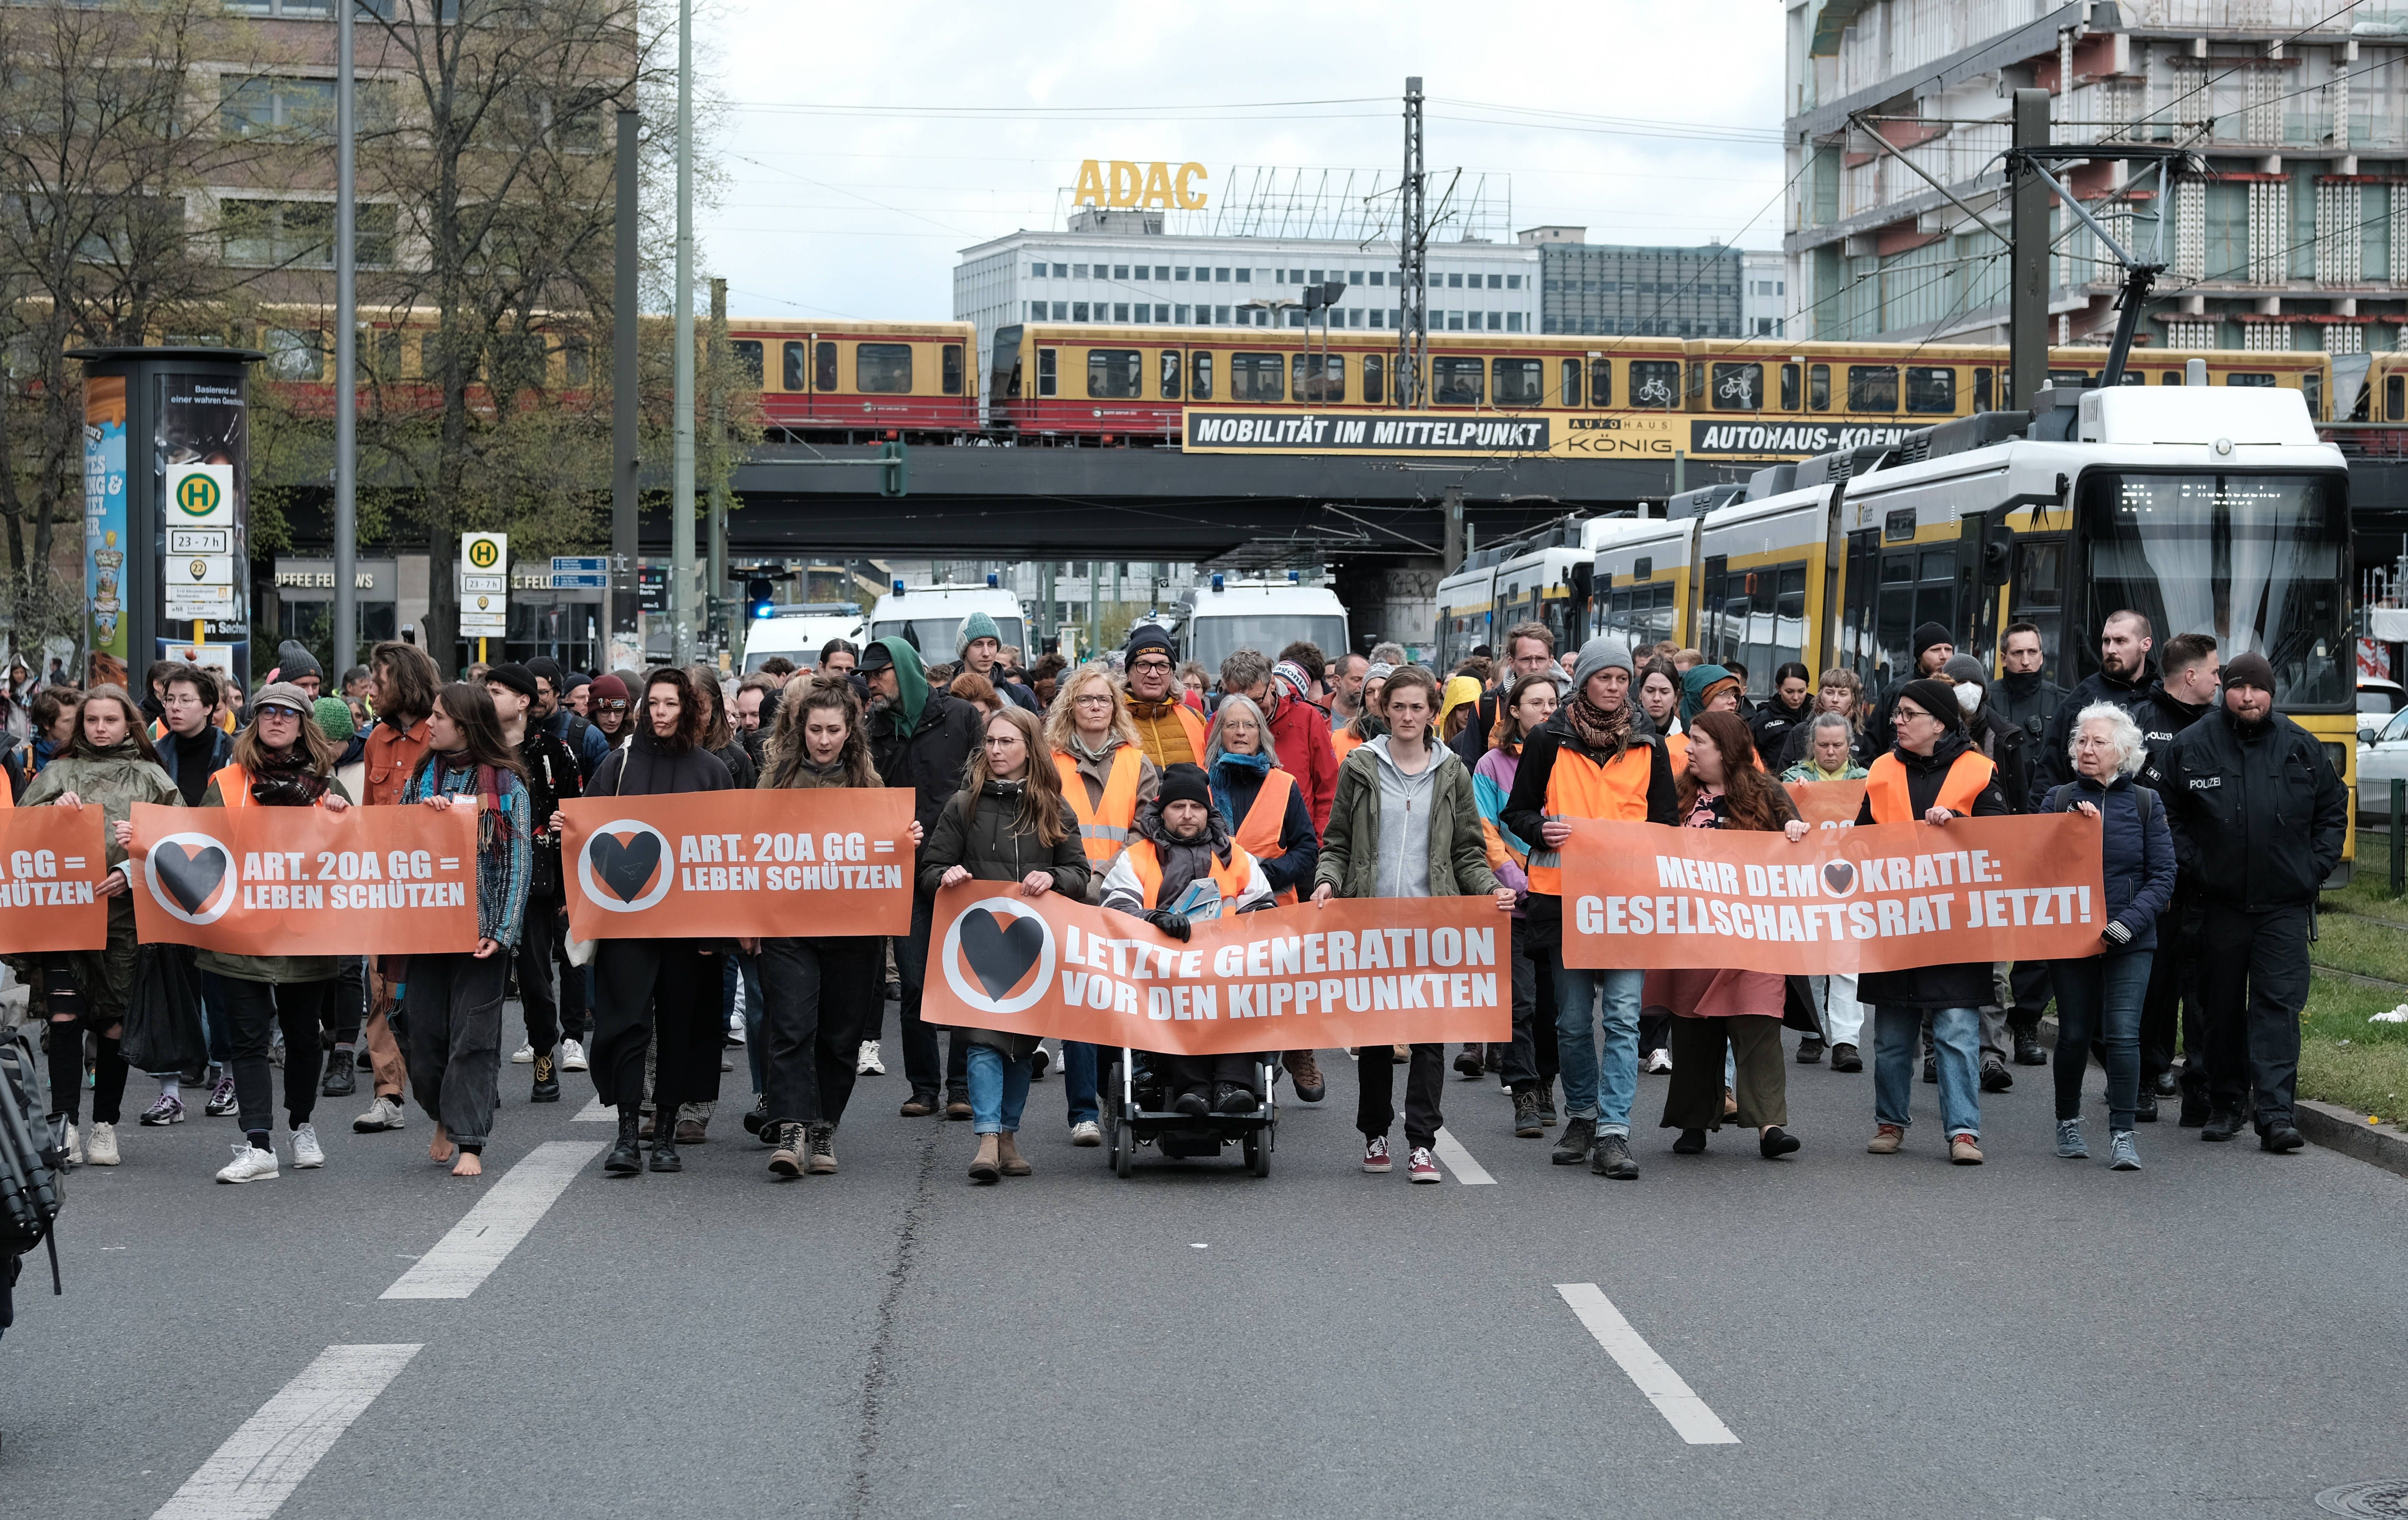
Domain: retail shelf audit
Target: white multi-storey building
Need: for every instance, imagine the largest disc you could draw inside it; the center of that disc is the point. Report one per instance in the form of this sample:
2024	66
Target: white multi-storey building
1764	291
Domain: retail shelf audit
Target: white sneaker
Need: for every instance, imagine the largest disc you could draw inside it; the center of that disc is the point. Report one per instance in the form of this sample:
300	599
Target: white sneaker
384	1114
249	1165
572	1056
736	1028
1085	1133
100	1146
524	1055
1661	1061
75	1146
1039	1061
868	1064
306	1152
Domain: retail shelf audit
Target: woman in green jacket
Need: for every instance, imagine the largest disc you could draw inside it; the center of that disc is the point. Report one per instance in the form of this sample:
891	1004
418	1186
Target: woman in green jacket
1404	824
109	766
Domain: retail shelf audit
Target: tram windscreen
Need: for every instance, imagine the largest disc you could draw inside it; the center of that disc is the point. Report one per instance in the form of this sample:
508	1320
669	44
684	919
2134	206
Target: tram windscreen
2254	560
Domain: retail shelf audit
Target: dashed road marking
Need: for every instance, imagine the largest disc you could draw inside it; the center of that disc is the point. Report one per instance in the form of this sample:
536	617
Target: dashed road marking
501	1219
1688	1414
255	1471
1460	1162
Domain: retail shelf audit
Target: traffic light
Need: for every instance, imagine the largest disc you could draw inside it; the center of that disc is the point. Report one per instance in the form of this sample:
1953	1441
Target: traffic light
893	470
760	594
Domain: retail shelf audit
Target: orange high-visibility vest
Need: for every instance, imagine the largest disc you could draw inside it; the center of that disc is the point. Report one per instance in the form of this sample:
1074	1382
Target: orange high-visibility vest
1579	787
1886	787
1258	832
234	785
1231	879
1104	828
1676	749
1343	741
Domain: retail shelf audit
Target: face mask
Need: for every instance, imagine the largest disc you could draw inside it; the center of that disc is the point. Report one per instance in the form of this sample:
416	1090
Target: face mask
1968	695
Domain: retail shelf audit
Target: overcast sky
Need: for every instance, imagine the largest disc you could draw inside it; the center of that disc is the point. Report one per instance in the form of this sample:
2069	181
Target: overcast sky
848	195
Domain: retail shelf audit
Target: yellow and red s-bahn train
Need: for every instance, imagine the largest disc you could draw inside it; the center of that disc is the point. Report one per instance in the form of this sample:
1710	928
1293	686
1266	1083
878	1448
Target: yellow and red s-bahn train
857	382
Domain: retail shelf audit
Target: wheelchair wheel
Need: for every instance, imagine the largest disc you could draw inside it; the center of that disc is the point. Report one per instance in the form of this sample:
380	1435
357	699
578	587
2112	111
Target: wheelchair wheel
1123	1151
1258	1152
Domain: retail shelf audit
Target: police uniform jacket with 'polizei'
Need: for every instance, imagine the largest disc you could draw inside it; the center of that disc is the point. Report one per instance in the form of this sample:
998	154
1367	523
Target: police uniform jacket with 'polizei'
2257	814
1561	776
1901	788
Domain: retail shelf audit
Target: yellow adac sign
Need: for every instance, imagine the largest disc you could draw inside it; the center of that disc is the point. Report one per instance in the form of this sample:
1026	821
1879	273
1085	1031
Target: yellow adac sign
1119	183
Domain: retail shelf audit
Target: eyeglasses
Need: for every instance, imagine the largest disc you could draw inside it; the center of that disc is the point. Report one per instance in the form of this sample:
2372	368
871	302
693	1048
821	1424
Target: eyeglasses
1151	665
1093	700
613	706
998	741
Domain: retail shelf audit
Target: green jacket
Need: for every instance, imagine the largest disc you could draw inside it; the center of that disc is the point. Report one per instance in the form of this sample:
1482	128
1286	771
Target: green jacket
113	782
277	970
1459	847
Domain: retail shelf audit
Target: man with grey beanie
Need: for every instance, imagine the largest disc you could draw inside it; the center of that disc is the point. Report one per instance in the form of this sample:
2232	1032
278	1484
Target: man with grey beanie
1590	760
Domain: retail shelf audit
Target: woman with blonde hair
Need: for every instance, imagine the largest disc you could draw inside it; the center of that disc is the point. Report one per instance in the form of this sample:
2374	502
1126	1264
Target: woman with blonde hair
1009	823
1836	690
1106	777
1268	818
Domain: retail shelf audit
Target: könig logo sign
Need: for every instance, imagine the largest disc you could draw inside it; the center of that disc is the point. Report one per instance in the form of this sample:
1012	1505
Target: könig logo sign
1120	183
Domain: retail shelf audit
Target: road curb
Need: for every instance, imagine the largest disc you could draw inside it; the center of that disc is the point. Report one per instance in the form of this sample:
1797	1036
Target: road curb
2328	1124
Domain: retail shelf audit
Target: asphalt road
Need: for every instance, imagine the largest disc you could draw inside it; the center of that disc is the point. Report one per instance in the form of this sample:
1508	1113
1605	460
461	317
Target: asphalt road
2219	1334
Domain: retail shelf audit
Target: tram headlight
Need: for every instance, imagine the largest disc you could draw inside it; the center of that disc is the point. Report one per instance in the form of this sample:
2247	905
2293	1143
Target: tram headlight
2339	755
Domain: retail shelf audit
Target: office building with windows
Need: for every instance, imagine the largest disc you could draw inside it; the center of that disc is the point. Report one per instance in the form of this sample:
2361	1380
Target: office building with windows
1618	290
2289	236
1120	267
1763	288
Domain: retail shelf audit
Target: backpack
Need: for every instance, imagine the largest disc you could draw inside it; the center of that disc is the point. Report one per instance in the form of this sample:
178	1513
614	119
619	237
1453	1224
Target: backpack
2147	797
30	1194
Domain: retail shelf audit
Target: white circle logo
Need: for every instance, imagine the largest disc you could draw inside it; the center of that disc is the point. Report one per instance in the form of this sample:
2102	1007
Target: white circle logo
629	875
192	876
1002	940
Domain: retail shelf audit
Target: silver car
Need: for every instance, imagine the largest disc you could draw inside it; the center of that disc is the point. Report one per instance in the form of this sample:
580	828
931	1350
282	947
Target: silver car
2382	759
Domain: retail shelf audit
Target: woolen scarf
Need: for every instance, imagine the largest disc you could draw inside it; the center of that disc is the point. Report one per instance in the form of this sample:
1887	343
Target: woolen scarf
1598	731
287	780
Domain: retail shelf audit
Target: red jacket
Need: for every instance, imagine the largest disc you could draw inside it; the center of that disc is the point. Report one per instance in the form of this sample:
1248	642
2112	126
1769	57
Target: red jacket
1300	733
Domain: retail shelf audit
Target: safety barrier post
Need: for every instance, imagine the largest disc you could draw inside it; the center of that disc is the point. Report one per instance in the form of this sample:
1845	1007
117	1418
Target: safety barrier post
2400	838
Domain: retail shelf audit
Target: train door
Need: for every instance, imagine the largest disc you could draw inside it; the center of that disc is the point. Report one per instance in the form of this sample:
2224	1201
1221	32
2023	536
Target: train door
1894	586
2036	595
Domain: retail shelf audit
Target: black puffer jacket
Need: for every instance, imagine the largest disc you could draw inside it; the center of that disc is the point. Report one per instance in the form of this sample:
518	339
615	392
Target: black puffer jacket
2028	700
982	835
2259	814
1964	983
2163	720
1773	724
646	768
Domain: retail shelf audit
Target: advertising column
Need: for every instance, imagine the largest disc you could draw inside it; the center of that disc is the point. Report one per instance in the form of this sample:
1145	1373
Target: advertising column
203	442
105	529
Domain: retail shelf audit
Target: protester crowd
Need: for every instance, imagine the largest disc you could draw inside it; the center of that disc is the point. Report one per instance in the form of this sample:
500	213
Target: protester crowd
1144	786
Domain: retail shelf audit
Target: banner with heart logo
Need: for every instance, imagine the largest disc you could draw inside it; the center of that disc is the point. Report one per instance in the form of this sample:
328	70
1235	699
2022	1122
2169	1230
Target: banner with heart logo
1360	971
52	866
1828	804
774	864
1882	898
306	880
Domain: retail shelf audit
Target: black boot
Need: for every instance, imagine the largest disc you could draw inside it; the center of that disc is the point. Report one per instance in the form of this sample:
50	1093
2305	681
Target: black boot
626	1158
547	1079
2224	1122
2028	1048
665	1155
340	1081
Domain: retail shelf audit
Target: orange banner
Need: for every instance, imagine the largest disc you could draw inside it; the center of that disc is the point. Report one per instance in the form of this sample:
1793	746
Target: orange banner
1879	898
306	880
52	865
1828	804
739	864
1363	971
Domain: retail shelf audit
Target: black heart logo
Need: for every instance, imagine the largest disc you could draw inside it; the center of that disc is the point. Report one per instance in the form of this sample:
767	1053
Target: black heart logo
1841	877
625	867
999	953
191	874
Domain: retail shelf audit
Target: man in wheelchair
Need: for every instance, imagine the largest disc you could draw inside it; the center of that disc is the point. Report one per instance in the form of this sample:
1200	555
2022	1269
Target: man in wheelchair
1184	866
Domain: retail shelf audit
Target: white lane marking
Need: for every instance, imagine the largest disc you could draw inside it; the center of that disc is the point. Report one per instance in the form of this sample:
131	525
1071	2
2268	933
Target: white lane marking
1459	1161
255	1471
1688	1414
596	1113
501	1219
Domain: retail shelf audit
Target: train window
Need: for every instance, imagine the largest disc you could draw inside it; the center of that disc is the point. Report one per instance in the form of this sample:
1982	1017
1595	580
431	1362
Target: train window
1518	382
1047	382
2172	377
2135	377
1932	390
1455	381
1258	376
2394	398
1739	387
792	366
1600	382
823	366
953	368
748	359
1572	383
1320	377
1873	387
1982	392
1818	387
1171	374
1199	377
2253	380
1655	384
1789	379
2312	391
2070	379
1375	378
1114	374
883	368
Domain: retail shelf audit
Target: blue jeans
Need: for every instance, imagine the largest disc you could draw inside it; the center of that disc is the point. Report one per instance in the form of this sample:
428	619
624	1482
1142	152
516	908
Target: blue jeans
1956	1041
1079	1063
999	1090
2100	997
1600	1078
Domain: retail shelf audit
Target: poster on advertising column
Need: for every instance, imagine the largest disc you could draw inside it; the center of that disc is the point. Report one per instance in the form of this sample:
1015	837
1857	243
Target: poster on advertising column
1359	971
776	864
1882	898
105	544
